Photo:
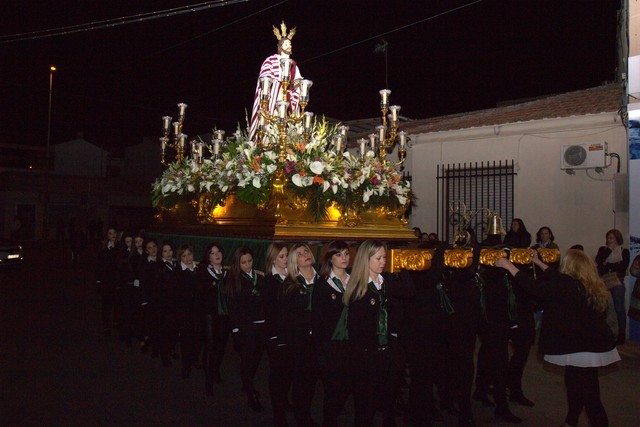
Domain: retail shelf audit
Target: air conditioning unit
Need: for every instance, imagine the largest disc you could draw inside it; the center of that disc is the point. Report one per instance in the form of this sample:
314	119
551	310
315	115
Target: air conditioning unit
583	156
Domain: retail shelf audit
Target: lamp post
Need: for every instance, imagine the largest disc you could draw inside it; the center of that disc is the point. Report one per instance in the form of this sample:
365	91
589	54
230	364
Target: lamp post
48	157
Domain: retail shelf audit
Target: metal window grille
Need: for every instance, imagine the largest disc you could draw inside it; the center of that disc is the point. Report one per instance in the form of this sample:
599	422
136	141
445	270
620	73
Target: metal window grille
484	185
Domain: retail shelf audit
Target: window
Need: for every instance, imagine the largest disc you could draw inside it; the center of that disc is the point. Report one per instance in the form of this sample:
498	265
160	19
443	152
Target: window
479	186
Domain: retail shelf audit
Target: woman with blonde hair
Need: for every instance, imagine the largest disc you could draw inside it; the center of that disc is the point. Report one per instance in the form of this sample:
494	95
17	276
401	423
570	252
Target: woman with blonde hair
294	329
574	331
377	357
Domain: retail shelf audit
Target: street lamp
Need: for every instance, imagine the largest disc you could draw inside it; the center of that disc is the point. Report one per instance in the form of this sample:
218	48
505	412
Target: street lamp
51	70
46	170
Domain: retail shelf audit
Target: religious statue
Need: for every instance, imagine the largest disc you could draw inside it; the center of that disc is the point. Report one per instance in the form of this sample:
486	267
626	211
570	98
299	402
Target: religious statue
271	67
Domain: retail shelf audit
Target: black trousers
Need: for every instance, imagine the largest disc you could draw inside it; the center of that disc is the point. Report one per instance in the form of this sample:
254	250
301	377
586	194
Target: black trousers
250	341
305	375
378	373
522	338
583	392
493	360
108	299
216	335
336	370
280	378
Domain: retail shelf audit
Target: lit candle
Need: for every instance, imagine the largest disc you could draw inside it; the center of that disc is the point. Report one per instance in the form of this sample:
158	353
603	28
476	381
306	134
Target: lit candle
200	151
176	128
305	85
261	122
216	147
395	109
282	108
382	129
308	118
372	141
181	139
181	108
384	95
163	144
402	137
285	67
166	123
343	130
337	142
194	151
363	146
219	134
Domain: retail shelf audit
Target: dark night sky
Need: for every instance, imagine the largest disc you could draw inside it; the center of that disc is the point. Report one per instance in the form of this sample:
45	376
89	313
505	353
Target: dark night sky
115	84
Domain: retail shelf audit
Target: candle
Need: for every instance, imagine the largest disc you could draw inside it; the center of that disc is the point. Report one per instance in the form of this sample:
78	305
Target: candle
216	147
176	128
219	134
200	151
194	151
363	146
343	130
261	122
282	108
285	68
265	84
308	117
181	139
181	108
395	109
337	142
372	141
402	137
305	85
163	144
382	129
166	123
384	95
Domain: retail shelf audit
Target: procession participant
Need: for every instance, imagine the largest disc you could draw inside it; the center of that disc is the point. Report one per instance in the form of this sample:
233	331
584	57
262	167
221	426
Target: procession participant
125	279
378	361
136	260
280	378
165	329
247	315
294	328
107	278
329	331
149	282
271	68
186	311
574	332
211	278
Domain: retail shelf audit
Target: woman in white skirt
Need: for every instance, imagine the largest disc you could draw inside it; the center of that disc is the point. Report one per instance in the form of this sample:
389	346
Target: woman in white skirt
574	332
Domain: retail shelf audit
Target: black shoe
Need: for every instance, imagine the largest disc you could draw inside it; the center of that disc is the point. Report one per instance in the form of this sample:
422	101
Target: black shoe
520	399
253	401
482	397
435	414
466	422
448	407
508	417
217	378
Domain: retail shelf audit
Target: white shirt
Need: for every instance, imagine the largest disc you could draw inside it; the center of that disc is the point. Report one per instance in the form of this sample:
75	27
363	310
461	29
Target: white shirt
333	285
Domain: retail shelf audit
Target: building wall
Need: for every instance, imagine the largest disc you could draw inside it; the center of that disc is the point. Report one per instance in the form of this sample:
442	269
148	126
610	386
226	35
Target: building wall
578	208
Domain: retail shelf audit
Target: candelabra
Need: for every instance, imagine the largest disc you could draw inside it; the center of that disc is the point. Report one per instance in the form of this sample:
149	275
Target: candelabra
387	135
179	138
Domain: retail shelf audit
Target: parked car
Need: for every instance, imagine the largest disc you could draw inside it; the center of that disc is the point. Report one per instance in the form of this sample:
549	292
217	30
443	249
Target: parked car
10	254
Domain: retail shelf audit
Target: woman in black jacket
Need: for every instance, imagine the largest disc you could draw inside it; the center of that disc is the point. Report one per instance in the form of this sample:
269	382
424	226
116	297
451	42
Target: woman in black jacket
378	360
517	236
186	310
247	313
613	258
574	332
328	323
294	329
213	308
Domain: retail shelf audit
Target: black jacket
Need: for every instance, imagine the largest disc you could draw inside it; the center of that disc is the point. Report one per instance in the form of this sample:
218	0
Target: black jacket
569	324
620	268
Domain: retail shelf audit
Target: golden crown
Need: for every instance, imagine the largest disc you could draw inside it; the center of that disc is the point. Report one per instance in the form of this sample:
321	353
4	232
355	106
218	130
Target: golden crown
282	32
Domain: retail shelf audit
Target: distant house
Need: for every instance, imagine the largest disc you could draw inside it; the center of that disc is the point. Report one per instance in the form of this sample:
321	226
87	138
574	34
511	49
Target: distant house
80	158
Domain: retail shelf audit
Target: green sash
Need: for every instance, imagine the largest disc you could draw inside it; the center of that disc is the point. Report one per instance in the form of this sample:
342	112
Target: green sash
383	314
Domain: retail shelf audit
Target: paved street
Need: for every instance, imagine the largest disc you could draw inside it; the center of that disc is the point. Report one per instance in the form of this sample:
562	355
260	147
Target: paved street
57	369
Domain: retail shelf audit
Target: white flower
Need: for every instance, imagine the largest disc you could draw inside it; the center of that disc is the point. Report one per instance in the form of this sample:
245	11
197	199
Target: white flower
271	168
191	188
297	180
325	186
256	182
401	199
366	195
316	167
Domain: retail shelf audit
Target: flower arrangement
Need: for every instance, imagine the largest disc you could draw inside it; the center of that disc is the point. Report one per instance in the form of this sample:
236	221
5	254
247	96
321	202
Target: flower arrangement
314	171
